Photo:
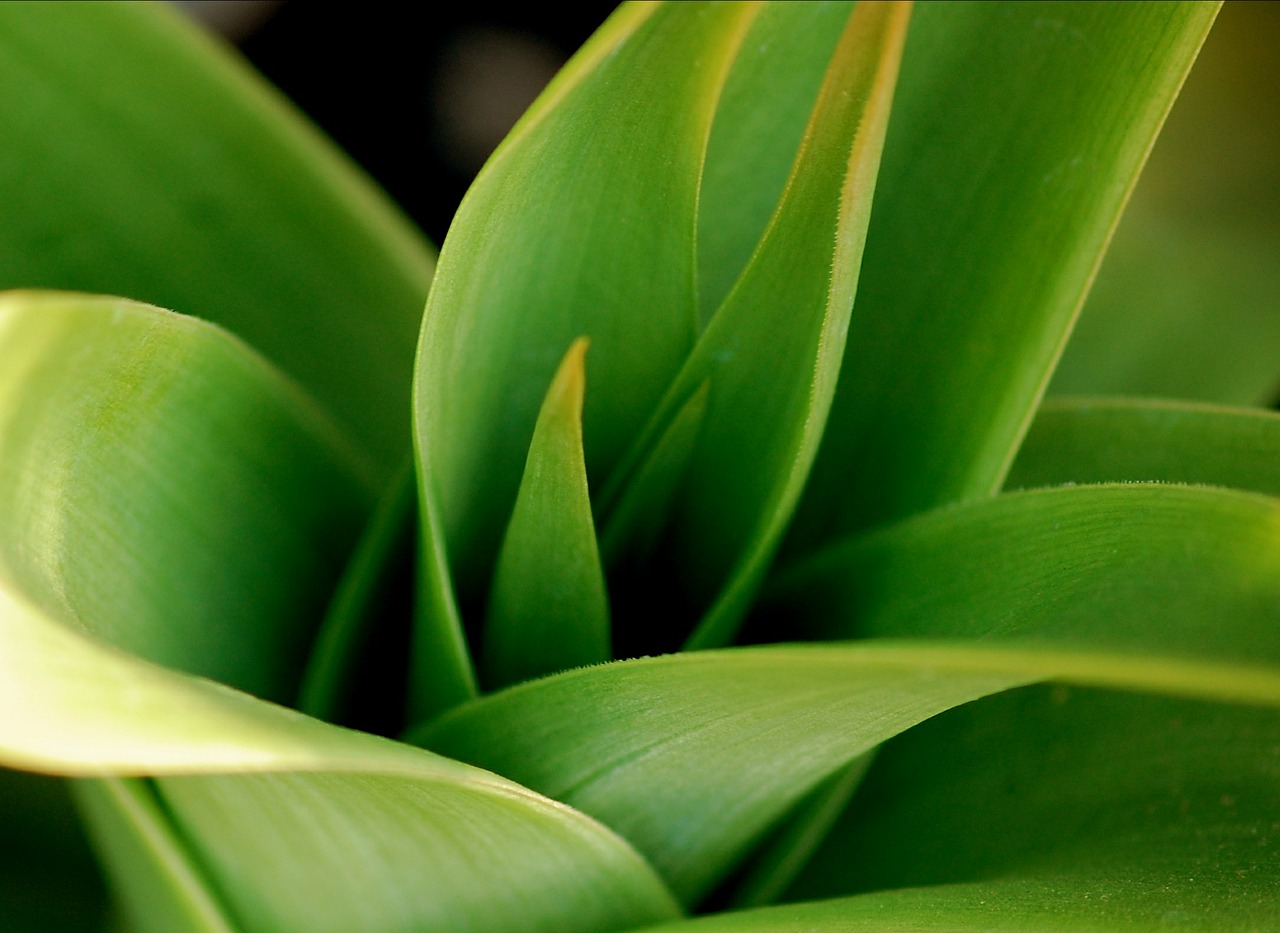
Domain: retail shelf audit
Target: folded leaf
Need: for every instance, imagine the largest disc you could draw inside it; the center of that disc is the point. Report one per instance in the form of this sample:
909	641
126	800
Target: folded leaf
440	844
548	609
165	488
1018	131
141	159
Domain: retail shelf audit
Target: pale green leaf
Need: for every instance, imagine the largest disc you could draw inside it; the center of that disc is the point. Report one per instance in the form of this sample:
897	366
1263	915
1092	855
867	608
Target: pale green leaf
141	159
1182	571
548	609
165	488
1088	440
441	845
582	223
695	757
1018	131
772	352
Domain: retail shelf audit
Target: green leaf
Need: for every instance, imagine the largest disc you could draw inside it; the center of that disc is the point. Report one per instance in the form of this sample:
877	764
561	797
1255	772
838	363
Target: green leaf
549	609
772	351
166	489
1182	571
1131	813
1018	131
1123	440
758	126
141	159
440	845
155	879
694	757
584	215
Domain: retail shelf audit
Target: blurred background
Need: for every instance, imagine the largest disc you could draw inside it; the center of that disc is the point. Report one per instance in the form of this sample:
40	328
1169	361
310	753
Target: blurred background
421	108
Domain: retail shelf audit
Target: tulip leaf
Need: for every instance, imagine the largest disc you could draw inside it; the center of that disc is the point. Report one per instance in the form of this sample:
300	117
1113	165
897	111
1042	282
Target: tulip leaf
1175	570
158	885
166	489
1018	131
141	159
548	609
694	757
582	223
441	844
1134	813
772	351
758	127
1089	440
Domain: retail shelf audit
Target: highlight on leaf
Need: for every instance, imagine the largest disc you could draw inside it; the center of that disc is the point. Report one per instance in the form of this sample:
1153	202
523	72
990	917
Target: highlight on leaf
799	608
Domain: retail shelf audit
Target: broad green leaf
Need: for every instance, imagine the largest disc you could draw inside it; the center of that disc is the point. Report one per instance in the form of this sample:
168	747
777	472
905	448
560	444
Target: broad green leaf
158	885
1122	440
358	613
163	487
441	845
772	352
694	757
548	609
1018	131
141	159
1128	813
758	127
1175	570
49	880
582	223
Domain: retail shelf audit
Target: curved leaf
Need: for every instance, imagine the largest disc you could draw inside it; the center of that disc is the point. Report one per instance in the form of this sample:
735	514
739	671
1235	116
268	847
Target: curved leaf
548	609
758	126
141	159
585	214
165	488
1018	132
694	757
1126	440
441	844
771	353
1180	571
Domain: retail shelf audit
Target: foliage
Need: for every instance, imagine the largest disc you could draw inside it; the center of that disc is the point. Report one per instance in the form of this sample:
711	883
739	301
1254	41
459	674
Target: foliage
738	345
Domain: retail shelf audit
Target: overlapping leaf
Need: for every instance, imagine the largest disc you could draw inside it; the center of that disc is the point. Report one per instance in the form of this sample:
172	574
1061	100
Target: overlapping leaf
693	757
582	224
140	159
1018	131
